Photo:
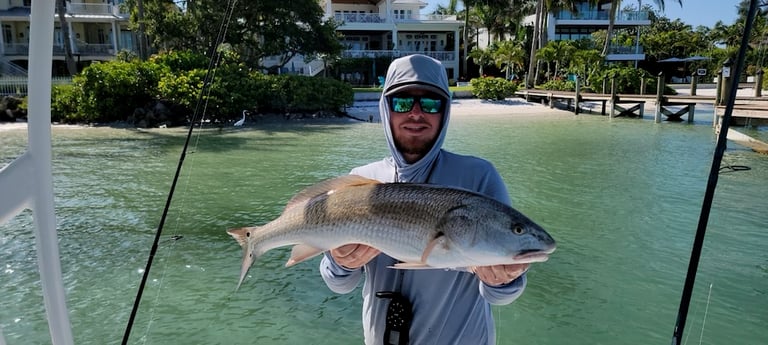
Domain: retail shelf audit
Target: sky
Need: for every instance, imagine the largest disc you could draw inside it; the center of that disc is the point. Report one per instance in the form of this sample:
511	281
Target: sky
693	12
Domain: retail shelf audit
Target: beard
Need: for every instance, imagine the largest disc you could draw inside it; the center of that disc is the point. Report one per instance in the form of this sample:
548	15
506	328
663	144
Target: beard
413	145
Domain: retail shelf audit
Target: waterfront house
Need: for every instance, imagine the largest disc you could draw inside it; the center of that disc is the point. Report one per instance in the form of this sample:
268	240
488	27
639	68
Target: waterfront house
589	18
388	28
98	30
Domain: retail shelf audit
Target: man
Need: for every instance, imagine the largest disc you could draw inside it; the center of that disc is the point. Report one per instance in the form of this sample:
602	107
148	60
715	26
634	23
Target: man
448	306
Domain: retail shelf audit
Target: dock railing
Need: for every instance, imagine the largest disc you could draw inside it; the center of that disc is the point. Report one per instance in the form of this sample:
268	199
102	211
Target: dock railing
19	85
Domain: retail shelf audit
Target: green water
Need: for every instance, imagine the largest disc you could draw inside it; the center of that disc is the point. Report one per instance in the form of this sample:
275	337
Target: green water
622	197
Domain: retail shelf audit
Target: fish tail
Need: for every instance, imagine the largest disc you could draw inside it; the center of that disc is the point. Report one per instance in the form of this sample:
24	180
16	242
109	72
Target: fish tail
241	235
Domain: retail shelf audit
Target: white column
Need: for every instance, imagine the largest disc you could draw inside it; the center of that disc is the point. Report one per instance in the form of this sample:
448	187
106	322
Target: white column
456	59
115	36
71	38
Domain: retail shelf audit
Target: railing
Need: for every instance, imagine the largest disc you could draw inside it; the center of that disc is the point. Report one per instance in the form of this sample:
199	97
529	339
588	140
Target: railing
58	50
17	85
601	15
8	68
95	49
375	18
359	18
16	49
625	50
423	17
81	8
440	55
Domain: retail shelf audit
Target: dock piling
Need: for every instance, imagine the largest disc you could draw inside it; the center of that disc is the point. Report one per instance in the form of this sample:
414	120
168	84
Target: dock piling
693	83
659	97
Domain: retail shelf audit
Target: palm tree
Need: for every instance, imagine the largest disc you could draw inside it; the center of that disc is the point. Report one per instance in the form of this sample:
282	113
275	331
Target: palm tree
547	54
447	10
61	10
467	5
543	7
509	54
481	58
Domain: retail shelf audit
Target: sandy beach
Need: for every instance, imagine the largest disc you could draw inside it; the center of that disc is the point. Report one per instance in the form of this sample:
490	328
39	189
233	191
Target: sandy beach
512	108
364	110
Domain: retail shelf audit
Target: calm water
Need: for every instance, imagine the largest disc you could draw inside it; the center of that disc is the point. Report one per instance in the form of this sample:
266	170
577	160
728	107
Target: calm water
621	197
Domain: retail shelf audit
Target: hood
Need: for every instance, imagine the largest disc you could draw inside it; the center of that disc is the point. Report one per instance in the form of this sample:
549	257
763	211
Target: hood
404	73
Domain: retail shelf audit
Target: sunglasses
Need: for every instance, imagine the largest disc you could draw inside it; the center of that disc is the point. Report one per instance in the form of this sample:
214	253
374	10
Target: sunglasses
404	103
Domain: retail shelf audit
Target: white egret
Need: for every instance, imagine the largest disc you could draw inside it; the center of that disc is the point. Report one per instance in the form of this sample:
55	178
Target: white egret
241	121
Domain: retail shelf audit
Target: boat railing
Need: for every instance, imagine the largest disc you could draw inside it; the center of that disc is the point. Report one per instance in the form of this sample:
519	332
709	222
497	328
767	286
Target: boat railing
27	182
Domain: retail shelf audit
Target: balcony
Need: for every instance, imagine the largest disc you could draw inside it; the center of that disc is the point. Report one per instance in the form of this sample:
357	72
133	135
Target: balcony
359	18
624	16
93	49
16	49
89	9
439	55
375	18
89	49
625	53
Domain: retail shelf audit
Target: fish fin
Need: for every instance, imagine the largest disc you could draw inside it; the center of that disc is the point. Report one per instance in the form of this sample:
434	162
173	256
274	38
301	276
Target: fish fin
412	266
302	252
329	185
438	239
241	234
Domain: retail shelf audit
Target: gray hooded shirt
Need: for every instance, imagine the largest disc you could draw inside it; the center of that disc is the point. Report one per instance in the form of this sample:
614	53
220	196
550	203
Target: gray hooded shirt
449	306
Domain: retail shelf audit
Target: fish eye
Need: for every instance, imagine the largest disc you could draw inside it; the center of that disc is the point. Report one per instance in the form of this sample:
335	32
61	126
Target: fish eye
518	229
248	234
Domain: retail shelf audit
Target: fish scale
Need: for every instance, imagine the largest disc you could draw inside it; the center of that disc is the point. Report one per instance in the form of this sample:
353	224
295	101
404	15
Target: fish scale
421	225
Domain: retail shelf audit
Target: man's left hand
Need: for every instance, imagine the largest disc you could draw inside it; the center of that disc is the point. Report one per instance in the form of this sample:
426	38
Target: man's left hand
499	274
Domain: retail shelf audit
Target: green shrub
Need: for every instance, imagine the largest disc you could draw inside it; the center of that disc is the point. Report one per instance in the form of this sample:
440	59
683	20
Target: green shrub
181	88
112	91
492	88
627	79
558	85
765	78
295	93
178	61
64	104
118	90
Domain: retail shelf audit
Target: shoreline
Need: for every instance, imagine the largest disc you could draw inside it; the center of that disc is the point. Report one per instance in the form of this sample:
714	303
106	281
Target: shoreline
366	110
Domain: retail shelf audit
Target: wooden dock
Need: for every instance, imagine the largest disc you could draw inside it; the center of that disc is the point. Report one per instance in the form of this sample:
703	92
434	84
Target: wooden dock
747	110
614	105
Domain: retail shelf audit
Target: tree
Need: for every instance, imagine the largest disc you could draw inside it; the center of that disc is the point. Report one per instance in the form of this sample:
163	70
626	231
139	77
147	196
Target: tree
509	54
612	20
481	57
543	7
254	29
61	10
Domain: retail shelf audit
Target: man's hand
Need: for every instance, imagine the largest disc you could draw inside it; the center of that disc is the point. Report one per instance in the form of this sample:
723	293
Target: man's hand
499	274
354	256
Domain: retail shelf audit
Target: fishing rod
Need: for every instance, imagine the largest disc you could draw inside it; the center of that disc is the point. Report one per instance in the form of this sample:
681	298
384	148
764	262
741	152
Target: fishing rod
698	241
199	108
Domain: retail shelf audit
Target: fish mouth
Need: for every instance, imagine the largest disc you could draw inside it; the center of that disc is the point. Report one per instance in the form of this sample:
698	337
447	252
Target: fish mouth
534	255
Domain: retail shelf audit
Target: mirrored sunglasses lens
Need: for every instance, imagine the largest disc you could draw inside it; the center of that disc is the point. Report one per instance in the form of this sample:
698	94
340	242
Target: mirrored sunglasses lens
430	105
402	104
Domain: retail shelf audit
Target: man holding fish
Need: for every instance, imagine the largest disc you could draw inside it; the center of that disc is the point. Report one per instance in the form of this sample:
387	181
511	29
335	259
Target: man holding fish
433	232
447	306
